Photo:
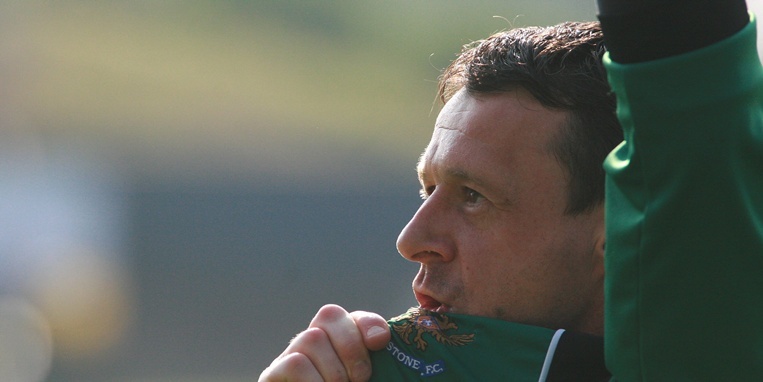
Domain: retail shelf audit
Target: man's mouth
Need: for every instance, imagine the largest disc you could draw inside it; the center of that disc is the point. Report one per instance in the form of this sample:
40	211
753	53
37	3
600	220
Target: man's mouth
430	303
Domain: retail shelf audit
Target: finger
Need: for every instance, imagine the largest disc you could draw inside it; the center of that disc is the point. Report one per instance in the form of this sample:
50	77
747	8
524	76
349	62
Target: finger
314	344
346	340
373	328
291	367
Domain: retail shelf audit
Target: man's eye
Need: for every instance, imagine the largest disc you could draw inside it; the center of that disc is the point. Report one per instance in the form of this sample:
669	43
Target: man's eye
473	196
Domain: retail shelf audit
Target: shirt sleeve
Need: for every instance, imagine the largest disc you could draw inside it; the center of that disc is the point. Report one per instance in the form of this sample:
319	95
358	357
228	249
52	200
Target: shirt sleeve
684	216
643	30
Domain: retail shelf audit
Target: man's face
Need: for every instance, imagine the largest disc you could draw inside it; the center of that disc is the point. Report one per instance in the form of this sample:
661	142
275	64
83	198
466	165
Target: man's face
491	235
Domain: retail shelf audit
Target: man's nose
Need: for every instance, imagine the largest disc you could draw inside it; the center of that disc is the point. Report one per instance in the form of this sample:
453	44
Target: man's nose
427	236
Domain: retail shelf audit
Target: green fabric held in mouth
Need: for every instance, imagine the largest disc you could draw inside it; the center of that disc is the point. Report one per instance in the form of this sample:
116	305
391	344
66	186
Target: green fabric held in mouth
449	347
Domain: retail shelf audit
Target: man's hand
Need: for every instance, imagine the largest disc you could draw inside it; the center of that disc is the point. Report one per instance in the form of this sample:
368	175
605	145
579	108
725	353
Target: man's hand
333	348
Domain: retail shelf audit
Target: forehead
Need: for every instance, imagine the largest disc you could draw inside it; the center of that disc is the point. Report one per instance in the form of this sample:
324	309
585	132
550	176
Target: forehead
493	130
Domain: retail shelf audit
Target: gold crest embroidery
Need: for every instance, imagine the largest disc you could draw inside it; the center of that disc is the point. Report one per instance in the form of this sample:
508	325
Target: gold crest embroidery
423	321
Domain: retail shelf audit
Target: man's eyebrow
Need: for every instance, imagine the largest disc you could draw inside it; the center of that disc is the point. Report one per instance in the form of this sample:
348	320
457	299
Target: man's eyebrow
457	173
451	173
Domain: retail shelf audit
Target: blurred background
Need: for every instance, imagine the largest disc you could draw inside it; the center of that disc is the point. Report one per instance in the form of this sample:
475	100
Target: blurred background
184	183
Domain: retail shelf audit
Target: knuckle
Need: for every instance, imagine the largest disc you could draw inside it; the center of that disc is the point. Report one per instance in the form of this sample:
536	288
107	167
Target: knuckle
312	336
287	367
309	338
297	362
330	312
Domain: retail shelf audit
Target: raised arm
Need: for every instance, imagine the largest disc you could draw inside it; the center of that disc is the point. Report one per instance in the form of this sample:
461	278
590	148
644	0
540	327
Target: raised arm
684	195
644	30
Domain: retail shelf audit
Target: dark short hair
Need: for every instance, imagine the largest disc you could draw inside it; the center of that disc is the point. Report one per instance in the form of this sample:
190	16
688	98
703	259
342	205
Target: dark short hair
561	66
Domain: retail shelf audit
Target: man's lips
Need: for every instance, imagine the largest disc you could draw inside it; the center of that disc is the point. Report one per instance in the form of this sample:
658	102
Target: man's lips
430	303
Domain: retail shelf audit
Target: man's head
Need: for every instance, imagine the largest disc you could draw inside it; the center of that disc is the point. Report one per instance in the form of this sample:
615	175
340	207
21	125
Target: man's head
512	223
561	67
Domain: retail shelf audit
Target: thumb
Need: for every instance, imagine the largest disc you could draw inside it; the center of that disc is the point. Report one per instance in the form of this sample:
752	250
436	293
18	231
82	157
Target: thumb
373	328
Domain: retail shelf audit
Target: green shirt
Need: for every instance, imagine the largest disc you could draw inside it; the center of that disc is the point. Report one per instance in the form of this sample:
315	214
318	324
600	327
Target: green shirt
684	217
427	346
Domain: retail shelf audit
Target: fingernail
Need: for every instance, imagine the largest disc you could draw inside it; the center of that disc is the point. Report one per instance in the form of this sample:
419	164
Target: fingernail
374	331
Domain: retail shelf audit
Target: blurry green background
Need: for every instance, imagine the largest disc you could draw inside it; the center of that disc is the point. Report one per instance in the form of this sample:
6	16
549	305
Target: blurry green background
184	183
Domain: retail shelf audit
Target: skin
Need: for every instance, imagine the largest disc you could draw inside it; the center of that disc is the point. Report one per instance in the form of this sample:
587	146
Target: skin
333	348
491	238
